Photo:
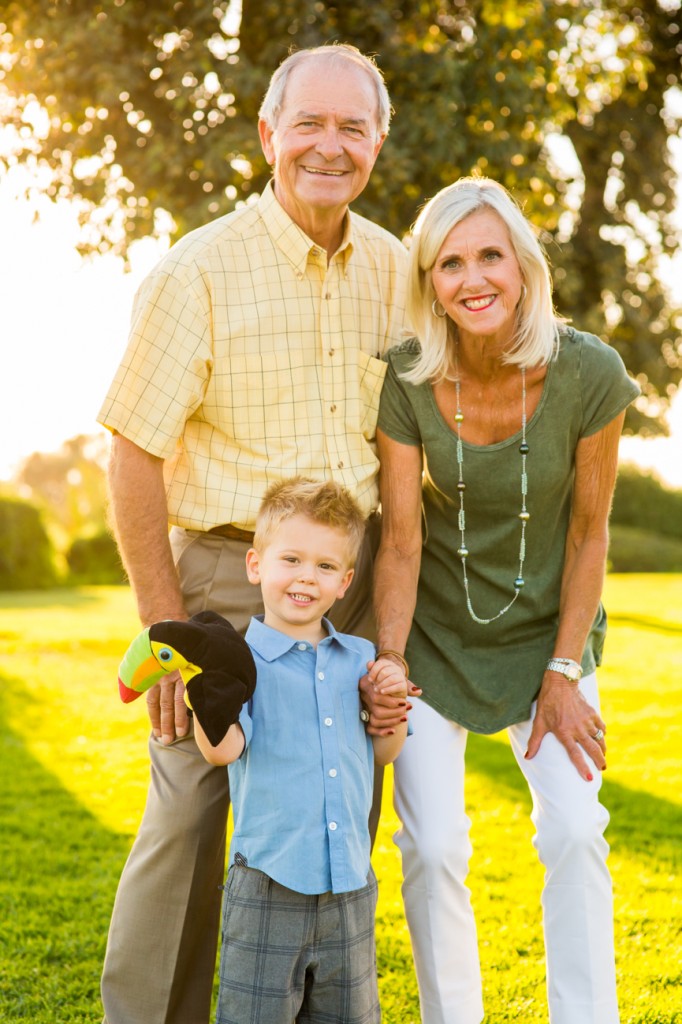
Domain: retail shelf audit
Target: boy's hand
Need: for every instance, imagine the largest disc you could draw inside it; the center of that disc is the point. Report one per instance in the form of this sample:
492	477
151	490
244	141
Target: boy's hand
388	677
383	692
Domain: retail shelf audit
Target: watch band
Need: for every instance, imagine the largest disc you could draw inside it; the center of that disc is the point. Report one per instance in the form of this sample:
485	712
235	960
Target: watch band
567	667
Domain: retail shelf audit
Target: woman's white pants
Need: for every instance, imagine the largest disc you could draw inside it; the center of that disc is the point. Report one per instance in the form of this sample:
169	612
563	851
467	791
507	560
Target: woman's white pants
434	843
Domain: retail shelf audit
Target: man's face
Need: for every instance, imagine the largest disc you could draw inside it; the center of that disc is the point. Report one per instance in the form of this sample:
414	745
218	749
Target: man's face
326	140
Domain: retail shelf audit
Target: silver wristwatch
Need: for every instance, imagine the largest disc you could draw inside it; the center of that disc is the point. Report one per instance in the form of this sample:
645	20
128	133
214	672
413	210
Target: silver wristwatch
568	668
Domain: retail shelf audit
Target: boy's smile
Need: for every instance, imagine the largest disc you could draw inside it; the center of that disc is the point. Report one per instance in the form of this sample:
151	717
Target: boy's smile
302	570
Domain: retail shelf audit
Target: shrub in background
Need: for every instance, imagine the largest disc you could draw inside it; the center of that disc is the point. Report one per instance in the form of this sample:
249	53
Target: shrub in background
26	553
95	560
632	550
646	524
643	503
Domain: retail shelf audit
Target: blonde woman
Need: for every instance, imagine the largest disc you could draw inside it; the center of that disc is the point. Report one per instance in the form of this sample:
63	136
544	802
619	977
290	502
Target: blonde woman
498	440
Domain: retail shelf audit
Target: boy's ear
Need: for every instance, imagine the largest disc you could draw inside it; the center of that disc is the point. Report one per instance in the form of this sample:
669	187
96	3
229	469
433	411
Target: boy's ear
345	583
253	566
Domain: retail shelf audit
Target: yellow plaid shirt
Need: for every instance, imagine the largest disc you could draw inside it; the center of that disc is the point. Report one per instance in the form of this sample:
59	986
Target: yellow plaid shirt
251	359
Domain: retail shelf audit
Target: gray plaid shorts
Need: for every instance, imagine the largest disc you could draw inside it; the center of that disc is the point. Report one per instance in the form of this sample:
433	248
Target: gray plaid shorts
288	957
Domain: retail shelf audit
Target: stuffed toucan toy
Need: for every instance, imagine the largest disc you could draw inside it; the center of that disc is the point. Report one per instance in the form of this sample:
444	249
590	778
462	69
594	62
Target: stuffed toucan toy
214	660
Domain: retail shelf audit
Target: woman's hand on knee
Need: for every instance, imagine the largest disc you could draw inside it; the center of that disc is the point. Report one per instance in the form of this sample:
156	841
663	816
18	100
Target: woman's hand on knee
562	710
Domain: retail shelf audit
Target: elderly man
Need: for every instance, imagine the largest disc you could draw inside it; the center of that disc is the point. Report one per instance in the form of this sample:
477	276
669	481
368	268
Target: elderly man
254	354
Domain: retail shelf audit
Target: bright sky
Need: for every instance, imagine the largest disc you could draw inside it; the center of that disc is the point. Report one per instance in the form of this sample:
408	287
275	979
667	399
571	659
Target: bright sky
63	328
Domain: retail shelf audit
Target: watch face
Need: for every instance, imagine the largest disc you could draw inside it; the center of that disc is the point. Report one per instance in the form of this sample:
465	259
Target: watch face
572	673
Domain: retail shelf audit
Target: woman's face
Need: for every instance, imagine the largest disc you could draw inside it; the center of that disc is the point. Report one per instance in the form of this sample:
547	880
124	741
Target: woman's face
477	277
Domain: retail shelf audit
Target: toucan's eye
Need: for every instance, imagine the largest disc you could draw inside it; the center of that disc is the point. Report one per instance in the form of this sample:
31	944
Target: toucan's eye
166	654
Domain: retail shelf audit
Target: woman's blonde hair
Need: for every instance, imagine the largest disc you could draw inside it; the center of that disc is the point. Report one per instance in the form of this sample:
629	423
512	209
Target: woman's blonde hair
538	326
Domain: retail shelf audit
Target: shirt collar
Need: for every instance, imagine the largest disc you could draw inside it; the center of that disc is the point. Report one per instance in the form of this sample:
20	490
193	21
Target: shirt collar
291	240
270	644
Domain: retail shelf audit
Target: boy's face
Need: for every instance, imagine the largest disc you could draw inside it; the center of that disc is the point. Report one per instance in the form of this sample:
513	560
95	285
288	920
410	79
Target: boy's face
303	569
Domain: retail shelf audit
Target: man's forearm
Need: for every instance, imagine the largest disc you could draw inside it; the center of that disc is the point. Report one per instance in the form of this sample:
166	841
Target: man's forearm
140	518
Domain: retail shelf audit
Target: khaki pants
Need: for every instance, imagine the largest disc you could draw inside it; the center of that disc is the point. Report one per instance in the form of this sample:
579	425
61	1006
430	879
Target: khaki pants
161	950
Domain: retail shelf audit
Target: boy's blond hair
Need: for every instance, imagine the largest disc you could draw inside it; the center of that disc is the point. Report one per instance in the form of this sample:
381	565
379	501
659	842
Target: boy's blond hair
324	502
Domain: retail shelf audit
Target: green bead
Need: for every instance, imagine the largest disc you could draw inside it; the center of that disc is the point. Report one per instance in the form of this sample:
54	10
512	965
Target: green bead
461	486
462	552
525	516
519	582
459	417
524	448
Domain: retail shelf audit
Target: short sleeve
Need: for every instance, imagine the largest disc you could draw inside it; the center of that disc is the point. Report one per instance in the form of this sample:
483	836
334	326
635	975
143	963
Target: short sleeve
163	375
397	416
606	388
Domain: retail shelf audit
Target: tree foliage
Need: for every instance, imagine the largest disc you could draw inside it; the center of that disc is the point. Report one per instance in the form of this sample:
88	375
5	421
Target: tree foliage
69	484
153	106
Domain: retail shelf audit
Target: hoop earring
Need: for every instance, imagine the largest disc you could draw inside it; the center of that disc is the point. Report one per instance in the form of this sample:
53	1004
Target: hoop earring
435	311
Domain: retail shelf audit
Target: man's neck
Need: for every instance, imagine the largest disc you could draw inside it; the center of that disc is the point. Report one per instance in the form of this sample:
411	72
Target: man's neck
324	226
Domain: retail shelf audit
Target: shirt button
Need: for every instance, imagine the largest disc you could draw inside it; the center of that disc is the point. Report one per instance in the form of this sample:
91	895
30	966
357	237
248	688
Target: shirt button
329	721
339	465
332	773
332	408
331	351
320	675
328	295
301	647
333	826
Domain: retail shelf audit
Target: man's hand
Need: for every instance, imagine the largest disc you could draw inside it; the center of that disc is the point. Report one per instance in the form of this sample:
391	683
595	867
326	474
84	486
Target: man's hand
563	710
167	709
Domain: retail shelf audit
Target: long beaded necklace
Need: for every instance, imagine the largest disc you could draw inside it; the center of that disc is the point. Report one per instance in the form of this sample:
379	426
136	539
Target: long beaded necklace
523	515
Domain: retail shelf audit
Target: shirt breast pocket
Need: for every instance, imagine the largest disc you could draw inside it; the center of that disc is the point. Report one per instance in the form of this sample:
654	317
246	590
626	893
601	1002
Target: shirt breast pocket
354	727
371	373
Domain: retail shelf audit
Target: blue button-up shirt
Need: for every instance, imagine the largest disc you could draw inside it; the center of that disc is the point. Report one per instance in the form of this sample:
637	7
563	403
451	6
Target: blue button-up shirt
302	789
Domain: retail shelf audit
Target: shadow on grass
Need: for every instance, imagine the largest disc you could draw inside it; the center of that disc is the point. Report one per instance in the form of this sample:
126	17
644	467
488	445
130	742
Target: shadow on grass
644	622
60	868
57	597
642	825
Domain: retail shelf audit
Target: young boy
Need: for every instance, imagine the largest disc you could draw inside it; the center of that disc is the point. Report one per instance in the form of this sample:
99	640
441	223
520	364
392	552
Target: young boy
299	905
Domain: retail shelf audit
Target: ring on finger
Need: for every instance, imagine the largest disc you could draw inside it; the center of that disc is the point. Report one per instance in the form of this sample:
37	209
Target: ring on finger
598	735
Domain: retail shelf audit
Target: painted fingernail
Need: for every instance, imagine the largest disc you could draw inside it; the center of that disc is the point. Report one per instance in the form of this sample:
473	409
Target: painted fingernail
404	719
589	777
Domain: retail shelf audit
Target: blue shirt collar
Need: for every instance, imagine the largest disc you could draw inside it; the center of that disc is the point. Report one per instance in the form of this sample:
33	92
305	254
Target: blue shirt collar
270	644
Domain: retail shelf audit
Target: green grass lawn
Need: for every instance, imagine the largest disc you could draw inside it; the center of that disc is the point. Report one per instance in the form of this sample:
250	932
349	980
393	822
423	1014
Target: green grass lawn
74	774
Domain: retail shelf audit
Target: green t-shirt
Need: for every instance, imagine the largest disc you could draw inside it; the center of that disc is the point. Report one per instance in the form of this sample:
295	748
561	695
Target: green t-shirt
485	677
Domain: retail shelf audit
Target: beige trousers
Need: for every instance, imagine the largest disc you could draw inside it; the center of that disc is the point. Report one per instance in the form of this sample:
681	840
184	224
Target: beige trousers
161	951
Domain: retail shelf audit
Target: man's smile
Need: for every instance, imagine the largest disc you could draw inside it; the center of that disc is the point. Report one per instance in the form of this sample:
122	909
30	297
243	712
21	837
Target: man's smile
329	172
